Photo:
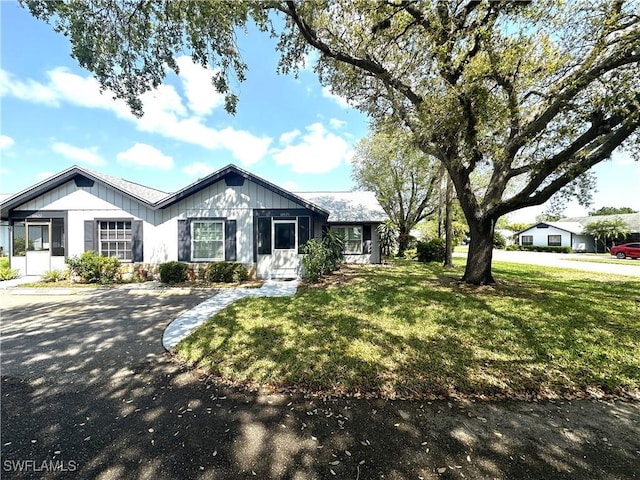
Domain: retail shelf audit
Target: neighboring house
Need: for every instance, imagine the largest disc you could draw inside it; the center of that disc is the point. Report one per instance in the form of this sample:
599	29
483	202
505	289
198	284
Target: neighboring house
230	215
569	232
557	234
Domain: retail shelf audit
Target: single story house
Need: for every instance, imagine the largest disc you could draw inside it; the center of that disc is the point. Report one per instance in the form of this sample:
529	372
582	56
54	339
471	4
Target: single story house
557	234
569	232
230	215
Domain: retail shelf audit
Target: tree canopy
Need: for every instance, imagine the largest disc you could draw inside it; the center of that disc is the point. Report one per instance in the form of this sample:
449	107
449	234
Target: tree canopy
611	211
532	94
404	178
607	229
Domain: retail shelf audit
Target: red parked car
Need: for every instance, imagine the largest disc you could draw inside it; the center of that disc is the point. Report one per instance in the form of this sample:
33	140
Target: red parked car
631	250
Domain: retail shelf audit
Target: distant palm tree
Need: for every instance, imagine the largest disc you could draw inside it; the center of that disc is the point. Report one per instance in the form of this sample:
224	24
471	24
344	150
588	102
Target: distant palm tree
605	229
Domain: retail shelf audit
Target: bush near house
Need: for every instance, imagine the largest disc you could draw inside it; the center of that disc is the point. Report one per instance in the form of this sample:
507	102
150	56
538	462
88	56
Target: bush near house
322	256
92	267
431	251
226	272
539	248
54	276
173	272
6	273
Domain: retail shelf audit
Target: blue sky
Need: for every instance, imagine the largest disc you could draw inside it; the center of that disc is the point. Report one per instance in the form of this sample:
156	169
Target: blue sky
290	131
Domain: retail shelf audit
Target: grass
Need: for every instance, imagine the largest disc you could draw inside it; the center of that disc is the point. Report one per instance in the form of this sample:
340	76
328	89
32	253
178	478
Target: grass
608	259
412	330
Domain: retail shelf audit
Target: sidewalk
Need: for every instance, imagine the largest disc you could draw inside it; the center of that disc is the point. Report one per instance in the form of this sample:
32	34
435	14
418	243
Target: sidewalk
192	319
5	284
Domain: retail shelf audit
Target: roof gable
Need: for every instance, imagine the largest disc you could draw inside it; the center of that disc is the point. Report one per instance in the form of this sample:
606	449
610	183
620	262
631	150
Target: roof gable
233	176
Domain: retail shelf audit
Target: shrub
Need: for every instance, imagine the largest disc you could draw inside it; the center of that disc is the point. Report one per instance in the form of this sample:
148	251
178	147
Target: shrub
226	272
173	272
7	273
499	241
431	251
314	260
91	267
540	248
53	276
334	245
513	247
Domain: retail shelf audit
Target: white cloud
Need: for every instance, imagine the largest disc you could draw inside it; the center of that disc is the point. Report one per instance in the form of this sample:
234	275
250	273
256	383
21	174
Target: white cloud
287	137
318	151
143	155
44	175
165	113
6	142
83	155
337	124
341	101
198	169
200	92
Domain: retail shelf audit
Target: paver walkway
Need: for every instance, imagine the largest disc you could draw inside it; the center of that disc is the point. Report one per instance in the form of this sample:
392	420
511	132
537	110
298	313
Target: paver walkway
190	320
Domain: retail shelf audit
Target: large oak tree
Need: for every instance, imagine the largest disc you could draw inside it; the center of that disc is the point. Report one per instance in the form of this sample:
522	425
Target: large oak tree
534	94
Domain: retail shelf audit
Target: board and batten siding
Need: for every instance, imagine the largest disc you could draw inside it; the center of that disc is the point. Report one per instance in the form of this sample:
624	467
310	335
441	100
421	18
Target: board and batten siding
233	203
91	203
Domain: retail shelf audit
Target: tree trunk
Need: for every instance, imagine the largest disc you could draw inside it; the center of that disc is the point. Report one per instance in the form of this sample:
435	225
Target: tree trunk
478	269
403	241
448	249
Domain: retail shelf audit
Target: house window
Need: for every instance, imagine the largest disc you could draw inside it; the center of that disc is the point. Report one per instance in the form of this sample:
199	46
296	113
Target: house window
19	239
526	240
352	238
554	240
207	240
115	239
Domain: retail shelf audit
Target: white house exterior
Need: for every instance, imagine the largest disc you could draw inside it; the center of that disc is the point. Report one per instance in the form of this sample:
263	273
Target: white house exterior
557	234
230	215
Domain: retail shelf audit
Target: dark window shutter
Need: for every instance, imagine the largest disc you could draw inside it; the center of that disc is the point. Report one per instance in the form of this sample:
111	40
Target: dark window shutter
366	237
184	241
264	235
90	235
230	241
303	232
137	253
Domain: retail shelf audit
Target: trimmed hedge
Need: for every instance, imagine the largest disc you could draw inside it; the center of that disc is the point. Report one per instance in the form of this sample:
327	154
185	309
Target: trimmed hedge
431	251
539	248
226	272
173	272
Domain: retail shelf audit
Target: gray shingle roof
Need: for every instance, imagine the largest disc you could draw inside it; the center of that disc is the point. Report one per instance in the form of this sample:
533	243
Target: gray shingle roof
348	206
150	195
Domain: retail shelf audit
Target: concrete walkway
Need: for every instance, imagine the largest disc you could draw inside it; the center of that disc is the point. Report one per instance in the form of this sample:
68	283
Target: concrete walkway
5	284
190	320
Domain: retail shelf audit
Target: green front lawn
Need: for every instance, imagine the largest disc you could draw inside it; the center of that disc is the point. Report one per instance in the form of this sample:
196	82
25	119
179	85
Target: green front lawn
412	330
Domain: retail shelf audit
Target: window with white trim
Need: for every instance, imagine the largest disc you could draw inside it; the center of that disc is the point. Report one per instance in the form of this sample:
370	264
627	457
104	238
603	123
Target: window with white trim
114	239
526	240
207	240
352	236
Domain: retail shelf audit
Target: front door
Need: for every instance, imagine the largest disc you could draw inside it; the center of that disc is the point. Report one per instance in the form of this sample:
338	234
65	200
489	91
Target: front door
38	254
285	259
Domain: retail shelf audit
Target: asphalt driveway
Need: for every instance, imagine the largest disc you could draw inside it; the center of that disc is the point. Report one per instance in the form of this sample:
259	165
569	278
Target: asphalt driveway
87	392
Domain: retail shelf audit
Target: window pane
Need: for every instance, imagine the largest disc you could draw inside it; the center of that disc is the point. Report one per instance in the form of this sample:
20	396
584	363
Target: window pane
38	237
115	239
57	237
19	239
285	234
207	240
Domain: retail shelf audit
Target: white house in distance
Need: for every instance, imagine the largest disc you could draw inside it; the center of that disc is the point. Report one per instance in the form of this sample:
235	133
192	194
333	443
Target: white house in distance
230	215
569	232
